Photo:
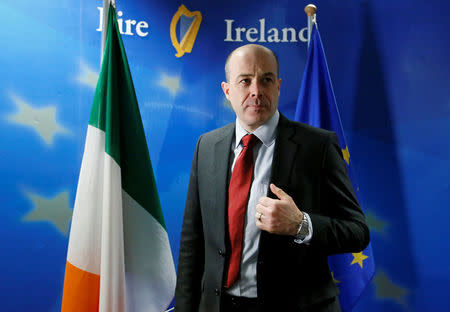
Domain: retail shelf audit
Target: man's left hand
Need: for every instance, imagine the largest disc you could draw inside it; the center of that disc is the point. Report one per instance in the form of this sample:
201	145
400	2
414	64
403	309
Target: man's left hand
278	216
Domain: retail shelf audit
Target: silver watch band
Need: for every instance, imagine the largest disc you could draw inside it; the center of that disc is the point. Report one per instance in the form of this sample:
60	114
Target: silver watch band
303	229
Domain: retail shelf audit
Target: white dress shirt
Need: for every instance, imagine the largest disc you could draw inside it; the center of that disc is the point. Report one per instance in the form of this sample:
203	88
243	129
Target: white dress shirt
263	156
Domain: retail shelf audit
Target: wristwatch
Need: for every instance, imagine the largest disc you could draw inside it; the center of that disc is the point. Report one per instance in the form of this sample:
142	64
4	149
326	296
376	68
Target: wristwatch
303	229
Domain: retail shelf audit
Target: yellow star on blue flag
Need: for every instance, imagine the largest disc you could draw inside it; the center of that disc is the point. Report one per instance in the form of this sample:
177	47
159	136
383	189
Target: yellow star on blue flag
346	155
358	257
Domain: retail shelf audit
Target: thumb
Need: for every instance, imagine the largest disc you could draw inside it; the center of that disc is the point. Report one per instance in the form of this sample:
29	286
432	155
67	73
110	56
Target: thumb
278	192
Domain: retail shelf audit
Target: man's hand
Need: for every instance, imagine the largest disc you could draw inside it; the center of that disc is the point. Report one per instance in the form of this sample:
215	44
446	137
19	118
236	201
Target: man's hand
278	216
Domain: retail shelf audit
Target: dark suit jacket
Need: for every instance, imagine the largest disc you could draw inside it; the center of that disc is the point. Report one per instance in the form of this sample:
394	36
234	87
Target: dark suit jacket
308	165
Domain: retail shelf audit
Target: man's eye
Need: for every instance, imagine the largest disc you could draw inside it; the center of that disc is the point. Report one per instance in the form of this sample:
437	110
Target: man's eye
268	79
245	81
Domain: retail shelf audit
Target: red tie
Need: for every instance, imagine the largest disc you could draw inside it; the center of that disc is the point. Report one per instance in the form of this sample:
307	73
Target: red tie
238	193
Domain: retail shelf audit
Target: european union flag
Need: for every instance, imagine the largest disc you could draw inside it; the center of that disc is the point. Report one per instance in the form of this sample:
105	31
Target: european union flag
316	106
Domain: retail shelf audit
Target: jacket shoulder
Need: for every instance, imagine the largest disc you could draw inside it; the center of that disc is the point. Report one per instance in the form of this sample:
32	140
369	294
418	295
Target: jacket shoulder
313	130
308	133
217	135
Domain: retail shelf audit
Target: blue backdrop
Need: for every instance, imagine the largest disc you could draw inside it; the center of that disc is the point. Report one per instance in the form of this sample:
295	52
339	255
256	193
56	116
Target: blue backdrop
388	63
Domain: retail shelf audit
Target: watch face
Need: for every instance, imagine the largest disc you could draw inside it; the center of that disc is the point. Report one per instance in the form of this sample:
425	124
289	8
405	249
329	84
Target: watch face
304	231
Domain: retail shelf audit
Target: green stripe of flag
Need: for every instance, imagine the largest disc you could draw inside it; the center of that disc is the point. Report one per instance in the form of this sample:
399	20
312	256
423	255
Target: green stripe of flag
115	111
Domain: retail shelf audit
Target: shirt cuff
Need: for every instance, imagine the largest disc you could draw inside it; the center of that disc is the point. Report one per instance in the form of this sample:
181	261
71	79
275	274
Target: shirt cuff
308	237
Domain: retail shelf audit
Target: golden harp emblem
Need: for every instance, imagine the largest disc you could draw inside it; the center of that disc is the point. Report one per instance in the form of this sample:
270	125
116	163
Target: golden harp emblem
187	42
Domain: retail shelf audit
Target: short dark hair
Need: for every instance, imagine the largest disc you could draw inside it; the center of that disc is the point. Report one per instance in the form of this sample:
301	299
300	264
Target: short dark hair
227	71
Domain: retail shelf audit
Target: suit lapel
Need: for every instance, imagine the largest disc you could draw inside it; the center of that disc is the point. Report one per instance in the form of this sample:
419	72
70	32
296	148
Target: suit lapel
220	177
286	147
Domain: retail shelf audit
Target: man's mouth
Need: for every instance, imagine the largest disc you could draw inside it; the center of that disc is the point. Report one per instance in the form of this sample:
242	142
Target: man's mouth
256	105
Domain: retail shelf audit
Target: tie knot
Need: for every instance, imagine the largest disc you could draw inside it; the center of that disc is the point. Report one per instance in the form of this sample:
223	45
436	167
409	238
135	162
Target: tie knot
249	140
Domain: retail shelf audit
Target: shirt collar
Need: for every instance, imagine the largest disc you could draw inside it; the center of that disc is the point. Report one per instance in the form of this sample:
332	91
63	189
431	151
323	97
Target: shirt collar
265	133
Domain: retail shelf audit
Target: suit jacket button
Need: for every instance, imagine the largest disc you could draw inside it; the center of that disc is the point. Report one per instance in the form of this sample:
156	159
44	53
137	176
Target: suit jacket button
217	291
221	252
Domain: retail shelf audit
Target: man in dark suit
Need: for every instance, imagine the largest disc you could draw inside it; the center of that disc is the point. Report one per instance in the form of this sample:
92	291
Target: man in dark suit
268	201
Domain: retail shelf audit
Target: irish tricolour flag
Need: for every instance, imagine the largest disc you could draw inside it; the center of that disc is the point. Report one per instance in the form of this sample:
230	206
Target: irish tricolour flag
119	257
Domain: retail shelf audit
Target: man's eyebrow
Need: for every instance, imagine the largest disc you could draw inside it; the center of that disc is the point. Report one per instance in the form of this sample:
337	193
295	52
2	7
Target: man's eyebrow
244	75
251	75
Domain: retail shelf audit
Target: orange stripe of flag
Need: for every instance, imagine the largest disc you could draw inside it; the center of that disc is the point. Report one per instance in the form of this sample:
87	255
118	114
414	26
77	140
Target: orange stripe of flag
81	290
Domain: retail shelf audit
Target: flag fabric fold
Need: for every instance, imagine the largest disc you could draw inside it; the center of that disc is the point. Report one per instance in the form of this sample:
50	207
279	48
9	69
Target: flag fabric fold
119	257
317	106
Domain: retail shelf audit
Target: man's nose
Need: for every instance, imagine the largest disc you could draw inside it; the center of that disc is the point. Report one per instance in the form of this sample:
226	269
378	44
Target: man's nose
255	89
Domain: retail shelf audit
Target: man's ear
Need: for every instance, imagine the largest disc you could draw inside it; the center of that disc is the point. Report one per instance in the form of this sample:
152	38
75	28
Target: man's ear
226	89
279	86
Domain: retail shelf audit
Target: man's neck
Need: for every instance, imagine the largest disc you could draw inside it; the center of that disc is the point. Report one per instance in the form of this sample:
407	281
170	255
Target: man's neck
251	129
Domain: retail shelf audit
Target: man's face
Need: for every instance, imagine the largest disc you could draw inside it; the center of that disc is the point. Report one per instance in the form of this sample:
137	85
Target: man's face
253	87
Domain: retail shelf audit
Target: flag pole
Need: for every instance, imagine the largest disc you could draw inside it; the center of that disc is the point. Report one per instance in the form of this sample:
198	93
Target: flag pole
310	11
105	25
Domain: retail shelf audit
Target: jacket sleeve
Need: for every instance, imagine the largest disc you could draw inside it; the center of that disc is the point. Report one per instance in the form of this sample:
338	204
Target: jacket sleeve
191	256
341	226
